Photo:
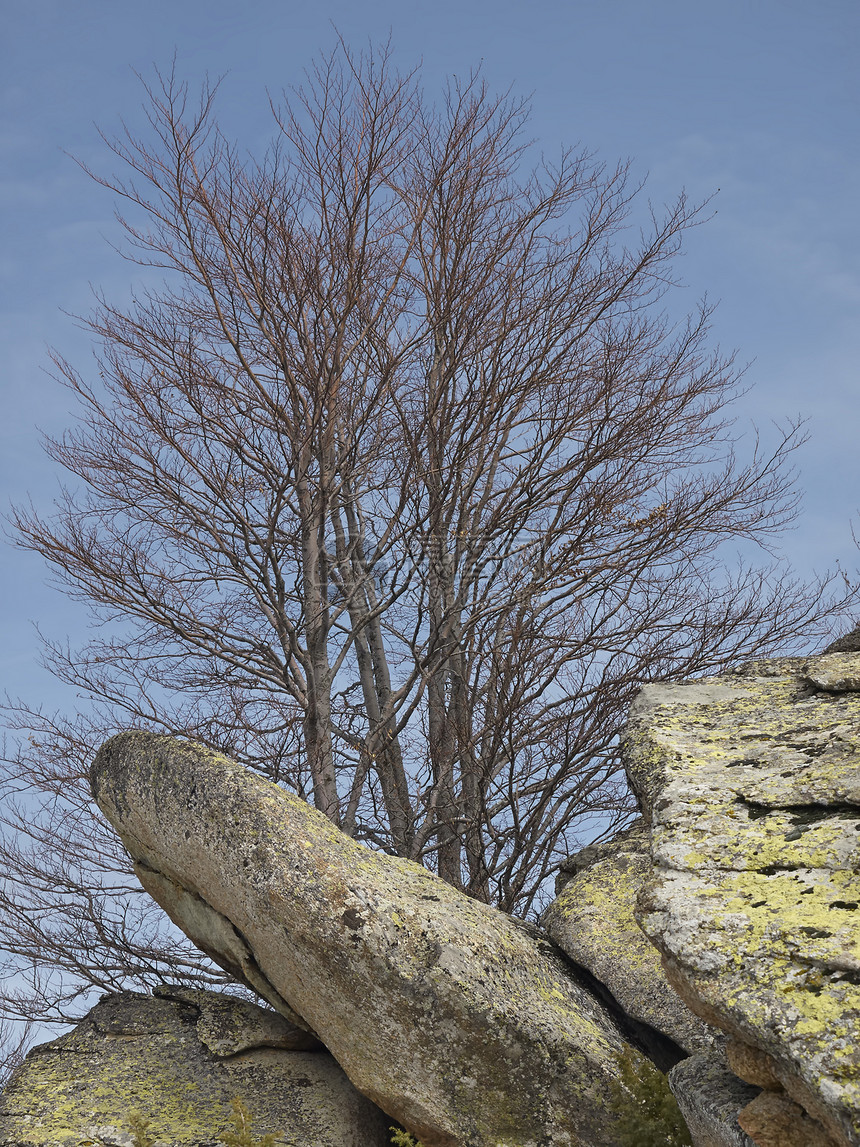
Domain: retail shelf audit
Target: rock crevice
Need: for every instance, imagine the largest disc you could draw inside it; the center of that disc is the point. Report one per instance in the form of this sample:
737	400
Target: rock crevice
719	936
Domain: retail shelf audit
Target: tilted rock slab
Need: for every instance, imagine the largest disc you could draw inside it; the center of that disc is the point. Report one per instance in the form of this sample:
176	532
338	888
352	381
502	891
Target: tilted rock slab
178	1061
592	920
463	1024
752	781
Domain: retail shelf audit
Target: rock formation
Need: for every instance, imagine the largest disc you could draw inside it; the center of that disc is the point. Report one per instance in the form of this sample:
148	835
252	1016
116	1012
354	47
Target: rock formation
752	785
711	1097
847	643
467	1026
592	920
473	1029
178	1061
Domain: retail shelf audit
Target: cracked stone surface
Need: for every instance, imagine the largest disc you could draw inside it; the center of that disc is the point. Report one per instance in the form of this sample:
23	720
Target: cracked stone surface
467	1026
592	919
752	784
710	1097
227	1025
178	1060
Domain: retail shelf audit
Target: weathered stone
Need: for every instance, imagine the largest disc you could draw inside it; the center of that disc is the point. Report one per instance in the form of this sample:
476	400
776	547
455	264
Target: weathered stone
216	936
133	1053
834	672
227	1025
847	643
710	1098
753	1065
632	839
592	920
465	1025
772	1120
752	781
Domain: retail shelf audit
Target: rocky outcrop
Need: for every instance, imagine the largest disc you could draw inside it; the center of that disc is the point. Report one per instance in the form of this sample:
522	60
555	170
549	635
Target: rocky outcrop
592	920
468	1027
848	643
178	1061
710	1098
833	673
752	784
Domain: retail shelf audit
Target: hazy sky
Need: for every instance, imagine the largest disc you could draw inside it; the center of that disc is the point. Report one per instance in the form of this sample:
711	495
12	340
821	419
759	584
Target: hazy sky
758	98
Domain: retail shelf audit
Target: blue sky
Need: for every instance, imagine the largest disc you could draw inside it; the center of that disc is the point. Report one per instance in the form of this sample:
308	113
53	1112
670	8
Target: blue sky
758	98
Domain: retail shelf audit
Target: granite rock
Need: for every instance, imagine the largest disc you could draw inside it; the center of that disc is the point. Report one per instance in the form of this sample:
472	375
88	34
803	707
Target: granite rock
773	1120
752	785
592	919
178	1061
467	1026
710	1097
833	672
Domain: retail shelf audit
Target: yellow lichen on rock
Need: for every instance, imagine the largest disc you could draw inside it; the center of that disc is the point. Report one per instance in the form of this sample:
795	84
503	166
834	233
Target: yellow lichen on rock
138	1056
593	920
752	783
462	1023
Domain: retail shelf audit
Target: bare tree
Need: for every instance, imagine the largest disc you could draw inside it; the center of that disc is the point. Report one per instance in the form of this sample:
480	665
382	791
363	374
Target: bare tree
15	1041
396	491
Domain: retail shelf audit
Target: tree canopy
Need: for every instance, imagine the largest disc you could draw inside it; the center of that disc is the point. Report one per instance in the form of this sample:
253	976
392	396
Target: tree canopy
396	490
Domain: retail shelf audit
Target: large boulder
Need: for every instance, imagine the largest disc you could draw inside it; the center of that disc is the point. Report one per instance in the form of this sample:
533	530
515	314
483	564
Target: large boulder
178	1061
592	920
465	1025
752	784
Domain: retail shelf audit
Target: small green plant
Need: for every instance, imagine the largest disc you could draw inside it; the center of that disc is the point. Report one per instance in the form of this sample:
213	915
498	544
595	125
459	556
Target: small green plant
139	1125
401	1138
648	1115
241	1136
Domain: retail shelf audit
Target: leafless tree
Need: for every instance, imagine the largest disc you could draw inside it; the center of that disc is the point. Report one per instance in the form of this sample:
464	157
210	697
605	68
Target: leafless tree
396	491
14	1043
